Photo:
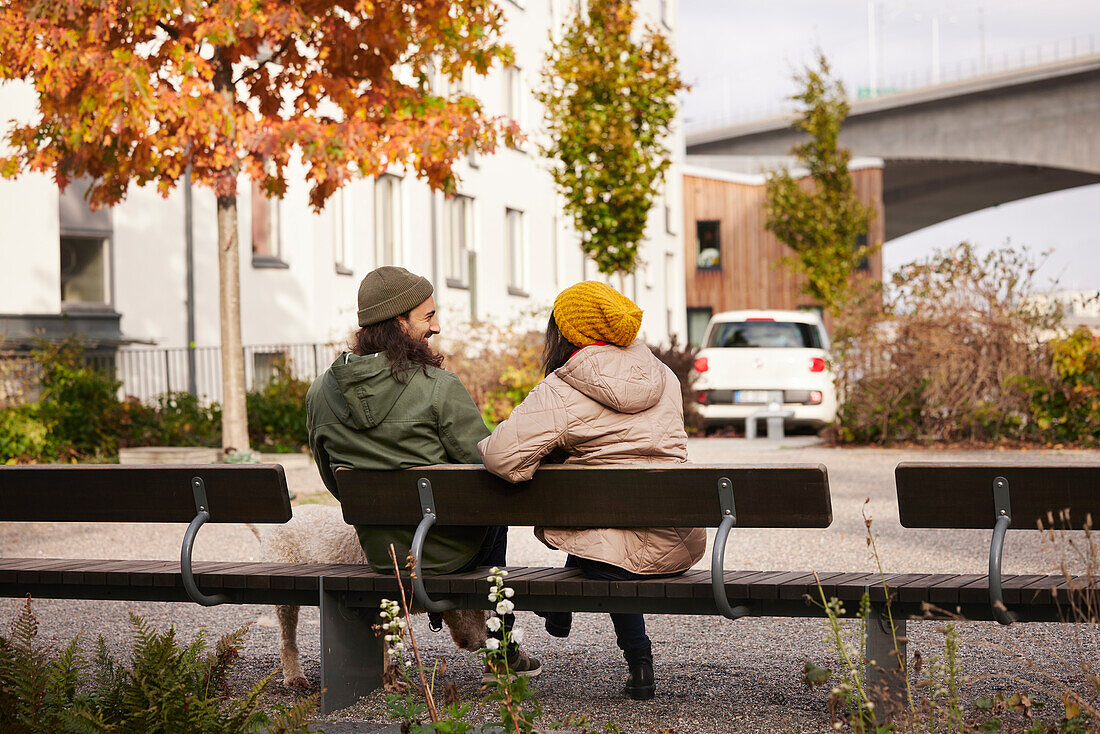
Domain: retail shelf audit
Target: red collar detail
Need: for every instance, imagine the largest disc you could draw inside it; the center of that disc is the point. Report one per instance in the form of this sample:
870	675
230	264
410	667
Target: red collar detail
593	344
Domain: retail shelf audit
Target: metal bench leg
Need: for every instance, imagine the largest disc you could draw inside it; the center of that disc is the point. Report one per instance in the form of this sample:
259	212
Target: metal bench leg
886	669
351	654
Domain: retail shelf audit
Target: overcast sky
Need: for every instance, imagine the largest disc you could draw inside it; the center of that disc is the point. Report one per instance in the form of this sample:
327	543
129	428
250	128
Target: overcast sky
740	56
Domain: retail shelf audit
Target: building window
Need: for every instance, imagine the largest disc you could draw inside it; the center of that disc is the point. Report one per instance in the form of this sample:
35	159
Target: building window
666	13
513	93
458	223
267	245
265	367
84	270
387	219
864	265
517	253
708	250
85	249
341	231
670	221
698	318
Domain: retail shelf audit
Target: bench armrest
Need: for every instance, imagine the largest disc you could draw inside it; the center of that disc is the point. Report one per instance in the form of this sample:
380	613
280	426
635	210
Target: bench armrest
718	553
202	514
1003	507
427	504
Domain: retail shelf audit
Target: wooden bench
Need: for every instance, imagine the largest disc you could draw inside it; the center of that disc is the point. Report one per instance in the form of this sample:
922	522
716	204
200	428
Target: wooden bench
166	494
714	496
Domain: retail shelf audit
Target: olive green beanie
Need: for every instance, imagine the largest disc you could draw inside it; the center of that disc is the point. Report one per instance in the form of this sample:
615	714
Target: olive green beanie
390	291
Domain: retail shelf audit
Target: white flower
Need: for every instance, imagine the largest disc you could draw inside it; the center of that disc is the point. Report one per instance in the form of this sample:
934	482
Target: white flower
493	596
493	623
505	607
492	643
400	624
517	635
509	592
502	574
494	570
408	663
399	645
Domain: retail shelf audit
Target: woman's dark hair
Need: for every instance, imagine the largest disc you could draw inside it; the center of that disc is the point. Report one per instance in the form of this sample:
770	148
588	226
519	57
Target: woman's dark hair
558	349
404	352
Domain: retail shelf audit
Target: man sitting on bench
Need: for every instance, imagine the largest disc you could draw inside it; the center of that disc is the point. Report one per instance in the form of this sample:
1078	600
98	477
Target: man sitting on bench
386	404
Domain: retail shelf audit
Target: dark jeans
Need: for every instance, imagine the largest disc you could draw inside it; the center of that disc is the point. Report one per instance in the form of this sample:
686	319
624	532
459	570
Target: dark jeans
493	552
629	628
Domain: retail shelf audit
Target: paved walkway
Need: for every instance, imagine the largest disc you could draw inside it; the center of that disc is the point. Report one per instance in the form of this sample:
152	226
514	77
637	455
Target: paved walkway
714	675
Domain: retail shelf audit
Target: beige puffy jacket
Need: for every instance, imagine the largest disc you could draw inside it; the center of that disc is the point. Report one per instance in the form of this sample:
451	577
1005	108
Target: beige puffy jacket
606	405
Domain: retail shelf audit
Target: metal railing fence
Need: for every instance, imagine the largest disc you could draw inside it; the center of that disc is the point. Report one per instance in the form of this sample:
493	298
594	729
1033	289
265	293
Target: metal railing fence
148	373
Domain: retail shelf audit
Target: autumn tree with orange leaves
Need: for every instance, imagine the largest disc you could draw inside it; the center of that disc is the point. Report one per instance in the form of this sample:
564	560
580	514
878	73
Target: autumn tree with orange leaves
133	92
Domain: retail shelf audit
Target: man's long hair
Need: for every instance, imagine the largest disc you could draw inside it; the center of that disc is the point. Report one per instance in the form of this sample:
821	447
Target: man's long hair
558	349
404	352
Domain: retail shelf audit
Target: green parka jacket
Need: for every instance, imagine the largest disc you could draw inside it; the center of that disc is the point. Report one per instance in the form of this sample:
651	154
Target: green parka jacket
360	417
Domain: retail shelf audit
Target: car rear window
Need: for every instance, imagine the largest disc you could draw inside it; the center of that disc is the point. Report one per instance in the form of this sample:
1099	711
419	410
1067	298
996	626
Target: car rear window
764	334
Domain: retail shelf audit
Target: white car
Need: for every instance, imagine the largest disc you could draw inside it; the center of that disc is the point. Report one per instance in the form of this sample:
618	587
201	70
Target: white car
752	359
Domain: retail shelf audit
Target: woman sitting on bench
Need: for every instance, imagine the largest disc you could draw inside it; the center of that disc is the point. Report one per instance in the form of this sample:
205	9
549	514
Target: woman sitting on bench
605	400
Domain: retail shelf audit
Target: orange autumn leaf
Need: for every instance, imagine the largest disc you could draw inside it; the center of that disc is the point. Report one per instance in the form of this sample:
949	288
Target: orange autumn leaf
132	92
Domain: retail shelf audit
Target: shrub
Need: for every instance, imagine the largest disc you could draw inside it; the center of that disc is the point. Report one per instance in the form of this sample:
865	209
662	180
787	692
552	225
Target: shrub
22	434
498	363
18	376
941	355
277	413
177	419
1065	405
163	687
77	401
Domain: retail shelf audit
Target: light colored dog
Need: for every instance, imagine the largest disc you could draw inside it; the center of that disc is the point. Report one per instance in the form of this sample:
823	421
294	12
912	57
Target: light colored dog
318	534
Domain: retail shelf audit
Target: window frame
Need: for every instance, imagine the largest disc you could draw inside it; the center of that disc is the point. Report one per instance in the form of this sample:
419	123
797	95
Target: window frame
266	229
388	198
717	267
106	241
456	251
342	227
515	225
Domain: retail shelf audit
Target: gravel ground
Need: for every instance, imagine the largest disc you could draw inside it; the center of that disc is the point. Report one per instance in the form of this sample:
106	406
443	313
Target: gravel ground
713	675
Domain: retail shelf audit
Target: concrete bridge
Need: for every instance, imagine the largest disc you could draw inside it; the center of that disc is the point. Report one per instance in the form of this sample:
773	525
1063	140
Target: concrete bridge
960	147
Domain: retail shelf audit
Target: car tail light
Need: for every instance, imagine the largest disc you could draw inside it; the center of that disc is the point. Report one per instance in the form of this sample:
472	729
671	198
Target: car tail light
701	364
817	364
815	396
703	396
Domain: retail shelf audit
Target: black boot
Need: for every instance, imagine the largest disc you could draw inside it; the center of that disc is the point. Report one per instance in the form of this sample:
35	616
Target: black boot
639	684
558	624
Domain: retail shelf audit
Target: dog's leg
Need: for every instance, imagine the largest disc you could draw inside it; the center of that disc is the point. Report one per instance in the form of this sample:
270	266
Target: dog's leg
467	628
288	646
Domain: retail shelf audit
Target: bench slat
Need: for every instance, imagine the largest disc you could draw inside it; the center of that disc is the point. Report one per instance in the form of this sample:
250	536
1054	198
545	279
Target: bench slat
655	495
942	495
806	584
122	493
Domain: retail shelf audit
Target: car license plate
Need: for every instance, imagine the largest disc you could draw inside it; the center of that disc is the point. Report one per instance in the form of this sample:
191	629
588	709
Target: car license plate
751	396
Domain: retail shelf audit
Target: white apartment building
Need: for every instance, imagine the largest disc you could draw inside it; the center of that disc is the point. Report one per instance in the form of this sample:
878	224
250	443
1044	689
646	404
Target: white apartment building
501	248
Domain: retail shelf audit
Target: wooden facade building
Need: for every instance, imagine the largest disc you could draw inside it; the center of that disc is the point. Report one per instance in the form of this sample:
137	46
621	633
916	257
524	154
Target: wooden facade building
731	261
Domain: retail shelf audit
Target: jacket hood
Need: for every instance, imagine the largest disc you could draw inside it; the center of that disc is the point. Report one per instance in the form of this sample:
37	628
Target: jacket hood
364	392
625	379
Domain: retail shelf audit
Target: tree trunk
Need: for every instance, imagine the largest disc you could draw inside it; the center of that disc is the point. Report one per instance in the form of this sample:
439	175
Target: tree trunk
234	413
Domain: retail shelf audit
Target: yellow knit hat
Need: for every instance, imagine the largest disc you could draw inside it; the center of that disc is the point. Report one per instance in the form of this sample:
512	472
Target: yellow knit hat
591	311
